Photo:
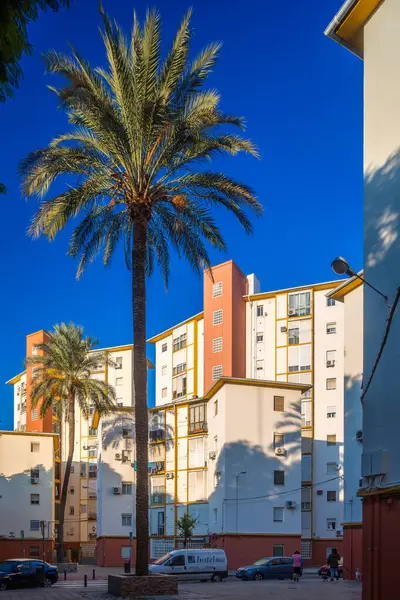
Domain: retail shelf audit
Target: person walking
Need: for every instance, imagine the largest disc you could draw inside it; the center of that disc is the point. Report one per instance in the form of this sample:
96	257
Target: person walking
333	562
297	565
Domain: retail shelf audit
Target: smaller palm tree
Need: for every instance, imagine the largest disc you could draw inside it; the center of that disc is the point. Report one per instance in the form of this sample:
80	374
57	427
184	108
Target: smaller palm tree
186	526
63	378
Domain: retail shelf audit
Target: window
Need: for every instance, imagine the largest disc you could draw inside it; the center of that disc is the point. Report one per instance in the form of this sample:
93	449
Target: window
279	403
299	304
217	289
71	510
215	408
331	412
72	531
330	302
293	368
330	328
331	524
306	498
215	515
161	523
179	368
196	451
179	342
217	317
83	509
217	344
260	310
260	365
179	386
217	372
35	499
126	520
197	418
279	440
164	392
306	413
177	561
330	357
331	468
294	336
92	452
34	552
164	370
126	488
331	496
35	526
197	484
93	432
260	337
278	550
72	491
92	471
278	514
331	383
331	439
279	477
164	347
119	380
34	414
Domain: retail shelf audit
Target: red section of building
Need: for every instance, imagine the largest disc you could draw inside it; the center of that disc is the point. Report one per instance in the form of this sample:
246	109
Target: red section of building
380	546
25	548
244	550
320	550
108	551
352	550
43	425
232	330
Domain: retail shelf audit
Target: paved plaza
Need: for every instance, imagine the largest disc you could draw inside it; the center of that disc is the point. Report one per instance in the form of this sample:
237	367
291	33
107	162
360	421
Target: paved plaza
310	588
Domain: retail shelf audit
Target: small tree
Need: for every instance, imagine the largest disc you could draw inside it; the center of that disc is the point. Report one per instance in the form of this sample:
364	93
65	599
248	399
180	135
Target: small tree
186	525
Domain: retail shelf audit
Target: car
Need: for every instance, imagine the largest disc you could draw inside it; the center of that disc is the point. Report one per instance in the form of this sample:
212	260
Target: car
21	572
325	570
272	567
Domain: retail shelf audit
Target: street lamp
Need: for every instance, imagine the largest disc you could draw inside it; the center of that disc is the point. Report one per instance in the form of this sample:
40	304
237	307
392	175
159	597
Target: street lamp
237	497
341	267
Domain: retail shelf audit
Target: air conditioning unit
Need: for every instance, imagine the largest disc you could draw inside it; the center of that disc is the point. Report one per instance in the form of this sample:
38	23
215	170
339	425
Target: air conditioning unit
169	476
292	312
118	366
279	451
118	457
212	455
283	329
116	491
359	436
320	492
291	504
330	363
339	533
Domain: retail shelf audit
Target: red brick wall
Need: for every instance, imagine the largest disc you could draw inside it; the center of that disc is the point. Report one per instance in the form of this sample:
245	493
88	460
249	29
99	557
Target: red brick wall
244	550
14	549
319	548
108	553
352	551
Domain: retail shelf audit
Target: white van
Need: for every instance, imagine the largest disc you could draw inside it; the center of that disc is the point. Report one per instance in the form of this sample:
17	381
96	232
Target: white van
193	564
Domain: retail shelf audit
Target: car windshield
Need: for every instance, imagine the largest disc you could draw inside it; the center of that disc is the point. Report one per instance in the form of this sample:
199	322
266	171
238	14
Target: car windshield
8	566
261	563
163	559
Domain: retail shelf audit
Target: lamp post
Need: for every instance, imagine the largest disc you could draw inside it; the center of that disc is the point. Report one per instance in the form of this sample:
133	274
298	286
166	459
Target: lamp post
237	497
341	267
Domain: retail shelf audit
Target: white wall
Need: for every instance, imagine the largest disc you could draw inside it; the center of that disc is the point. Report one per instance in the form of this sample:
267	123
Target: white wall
246	444
19	401
323	398
16	462
381	419
264	350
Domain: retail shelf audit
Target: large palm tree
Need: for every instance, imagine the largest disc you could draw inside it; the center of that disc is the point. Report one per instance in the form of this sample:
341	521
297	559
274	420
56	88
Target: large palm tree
63	375
141	129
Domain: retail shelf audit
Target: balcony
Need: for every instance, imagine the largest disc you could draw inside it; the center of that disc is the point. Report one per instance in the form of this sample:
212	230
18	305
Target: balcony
154	468
198	427
157	435
92	516
157	498
92	474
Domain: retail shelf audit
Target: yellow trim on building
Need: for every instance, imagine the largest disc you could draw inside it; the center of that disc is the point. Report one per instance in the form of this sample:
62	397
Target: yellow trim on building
341	291
393	490
301	387
34	433
316	287
346	28
16	378
169	331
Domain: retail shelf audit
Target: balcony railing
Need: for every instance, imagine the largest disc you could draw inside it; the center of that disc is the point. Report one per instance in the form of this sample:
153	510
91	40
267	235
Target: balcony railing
157	435
153	468
198	427
158	498
92	516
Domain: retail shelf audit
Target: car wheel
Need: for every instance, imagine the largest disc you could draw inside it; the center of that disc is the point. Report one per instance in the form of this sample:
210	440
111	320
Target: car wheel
47	583
3	586
258	576
216	577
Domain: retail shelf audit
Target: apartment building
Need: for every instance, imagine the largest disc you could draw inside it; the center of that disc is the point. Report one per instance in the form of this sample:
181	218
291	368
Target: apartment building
27	482
292	336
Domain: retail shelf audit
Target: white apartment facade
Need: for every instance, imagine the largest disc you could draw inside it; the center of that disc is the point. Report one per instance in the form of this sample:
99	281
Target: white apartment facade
27	483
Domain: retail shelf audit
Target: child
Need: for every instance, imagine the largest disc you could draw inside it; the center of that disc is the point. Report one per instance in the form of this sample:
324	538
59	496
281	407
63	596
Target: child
358	575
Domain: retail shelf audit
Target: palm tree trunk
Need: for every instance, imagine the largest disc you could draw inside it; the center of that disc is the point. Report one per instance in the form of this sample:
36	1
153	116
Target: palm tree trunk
67	473
140	395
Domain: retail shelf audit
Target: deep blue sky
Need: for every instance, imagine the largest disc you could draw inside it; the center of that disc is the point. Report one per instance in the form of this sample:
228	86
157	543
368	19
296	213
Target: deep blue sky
301	95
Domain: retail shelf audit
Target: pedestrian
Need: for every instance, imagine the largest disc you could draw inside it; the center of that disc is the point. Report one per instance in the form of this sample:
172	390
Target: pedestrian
358	575
333	562
297	564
